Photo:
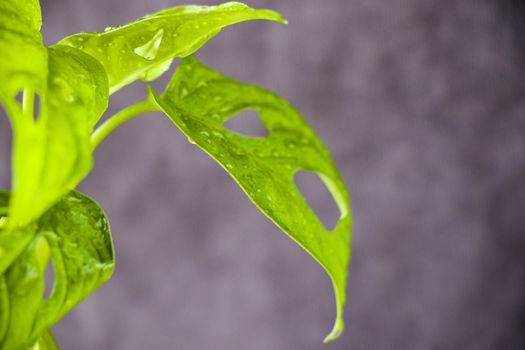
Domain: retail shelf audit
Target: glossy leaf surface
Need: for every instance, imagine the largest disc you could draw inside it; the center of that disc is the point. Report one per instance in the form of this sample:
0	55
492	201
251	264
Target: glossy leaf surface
23	58
74	236
200	100
53	153
144	49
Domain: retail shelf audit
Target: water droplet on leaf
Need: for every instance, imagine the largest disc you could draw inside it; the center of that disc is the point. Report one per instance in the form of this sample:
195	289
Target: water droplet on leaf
150	49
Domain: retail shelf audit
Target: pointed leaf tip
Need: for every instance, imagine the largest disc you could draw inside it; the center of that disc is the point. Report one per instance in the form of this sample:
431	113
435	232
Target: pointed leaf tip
200	100
336	332
143	49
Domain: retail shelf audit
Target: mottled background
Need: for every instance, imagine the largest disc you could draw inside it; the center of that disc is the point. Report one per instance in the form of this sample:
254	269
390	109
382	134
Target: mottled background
421	103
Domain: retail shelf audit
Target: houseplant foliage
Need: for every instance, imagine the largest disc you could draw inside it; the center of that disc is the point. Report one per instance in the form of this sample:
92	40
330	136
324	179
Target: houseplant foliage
44	221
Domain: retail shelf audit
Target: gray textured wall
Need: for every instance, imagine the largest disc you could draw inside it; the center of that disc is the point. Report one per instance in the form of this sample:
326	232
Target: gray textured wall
421	103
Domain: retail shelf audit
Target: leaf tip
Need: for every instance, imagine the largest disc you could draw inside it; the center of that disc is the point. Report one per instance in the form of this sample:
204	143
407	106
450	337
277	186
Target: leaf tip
276	16
336	332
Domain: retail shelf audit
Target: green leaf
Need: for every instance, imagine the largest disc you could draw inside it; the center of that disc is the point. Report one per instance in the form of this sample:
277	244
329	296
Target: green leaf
145	48
74	236
23	58
23	66
53	153
200	100
46	341
12	242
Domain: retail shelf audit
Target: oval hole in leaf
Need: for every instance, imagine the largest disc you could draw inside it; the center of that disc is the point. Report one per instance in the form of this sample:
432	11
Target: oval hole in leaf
19	97
247	122
6	136
316	193
36	107
49	279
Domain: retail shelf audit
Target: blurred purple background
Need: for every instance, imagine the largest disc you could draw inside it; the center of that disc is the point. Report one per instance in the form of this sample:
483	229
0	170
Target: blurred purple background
422	104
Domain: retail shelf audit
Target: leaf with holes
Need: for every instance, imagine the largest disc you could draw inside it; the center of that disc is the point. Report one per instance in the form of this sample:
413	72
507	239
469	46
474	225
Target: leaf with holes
23	58
200	100
145	48
53	153
74	236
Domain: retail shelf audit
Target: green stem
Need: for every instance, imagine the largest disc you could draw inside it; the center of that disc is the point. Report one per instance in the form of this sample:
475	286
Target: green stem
28	102
116	120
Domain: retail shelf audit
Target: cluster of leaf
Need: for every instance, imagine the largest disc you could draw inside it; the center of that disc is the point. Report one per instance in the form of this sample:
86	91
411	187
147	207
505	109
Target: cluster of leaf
44	221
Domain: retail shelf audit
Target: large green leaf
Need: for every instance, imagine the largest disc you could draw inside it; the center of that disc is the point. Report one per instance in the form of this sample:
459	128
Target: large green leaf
74	236
145	48
23	58
199	100
23	66
53	153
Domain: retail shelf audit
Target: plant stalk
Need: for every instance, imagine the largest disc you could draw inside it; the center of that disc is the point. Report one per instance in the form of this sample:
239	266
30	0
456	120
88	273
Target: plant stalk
28	102
119	118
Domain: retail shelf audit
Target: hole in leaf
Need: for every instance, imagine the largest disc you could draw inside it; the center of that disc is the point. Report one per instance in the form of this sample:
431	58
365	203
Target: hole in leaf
247	122
20	96
36	107
5	149
30	99
49	279
316	193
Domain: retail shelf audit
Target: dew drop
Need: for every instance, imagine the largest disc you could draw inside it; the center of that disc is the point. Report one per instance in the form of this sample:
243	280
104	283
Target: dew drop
150	49
218	135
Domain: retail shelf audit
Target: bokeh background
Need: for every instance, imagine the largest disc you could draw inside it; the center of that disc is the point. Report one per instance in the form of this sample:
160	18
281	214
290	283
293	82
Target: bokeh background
422	104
